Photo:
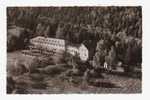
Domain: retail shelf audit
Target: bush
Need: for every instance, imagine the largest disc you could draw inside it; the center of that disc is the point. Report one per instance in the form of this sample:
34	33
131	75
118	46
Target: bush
17	38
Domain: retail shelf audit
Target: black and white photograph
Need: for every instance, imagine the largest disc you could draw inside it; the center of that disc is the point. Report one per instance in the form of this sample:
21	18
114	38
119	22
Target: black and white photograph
74	50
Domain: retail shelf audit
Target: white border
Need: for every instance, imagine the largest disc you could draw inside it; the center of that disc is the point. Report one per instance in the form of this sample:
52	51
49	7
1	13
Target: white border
70	2
146	48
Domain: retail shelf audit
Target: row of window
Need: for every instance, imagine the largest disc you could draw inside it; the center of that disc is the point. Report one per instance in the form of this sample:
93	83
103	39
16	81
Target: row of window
54	44
73	51
45	49
51	40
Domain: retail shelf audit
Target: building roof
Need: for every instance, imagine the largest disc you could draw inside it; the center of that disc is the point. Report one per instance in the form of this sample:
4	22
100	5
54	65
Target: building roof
54	40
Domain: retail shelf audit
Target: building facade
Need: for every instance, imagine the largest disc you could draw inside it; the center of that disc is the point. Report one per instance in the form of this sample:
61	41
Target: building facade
58	47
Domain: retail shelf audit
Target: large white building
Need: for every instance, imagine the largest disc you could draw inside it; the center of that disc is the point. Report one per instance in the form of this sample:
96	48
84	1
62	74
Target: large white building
59	47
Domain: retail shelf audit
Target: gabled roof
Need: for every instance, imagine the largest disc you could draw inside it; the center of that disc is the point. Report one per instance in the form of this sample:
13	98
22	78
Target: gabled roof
86	44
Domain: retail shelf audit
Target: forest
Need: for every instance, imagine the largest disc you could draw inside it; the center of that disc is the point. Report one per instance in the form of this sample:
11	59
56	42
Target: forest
112	34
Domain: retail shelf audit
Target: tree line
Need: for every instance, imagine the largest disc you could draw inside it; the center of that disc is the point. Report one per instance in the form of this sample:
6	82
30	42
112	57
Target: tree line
112	34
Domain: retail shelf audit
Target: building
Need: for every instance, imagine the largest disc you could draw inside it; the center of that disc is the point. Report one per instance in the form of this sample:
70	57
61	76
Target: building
79	50
58	47
83	53
49	44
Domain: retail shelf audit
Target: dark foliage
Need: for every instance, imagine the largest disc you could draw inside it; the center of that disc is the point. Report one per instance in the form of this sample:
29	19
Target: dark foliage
118	27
